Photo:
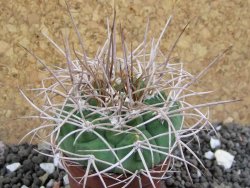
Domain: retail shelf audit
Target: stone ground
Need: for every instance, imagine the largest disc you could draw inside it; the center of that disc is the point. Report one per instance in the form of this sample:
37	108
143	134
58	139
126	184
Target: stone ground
36	170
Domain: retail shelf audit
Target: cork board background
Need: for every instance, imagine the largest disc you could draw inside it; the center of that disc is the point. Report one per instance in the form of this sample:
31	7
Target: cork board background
215	25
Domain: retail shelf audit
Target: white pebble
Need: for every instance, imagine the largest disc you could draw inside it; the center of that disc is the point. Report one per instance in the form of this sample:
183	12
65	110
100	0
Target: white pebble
209	155
218	128
66	179
215	143
239	172
13	167
57	161
50	183
198	173
48	167
224	158
24	186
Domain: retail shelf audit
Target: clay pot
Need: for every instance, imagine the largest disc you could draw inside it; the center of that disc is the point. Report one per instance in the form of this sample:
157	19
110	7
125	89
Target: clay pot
95	182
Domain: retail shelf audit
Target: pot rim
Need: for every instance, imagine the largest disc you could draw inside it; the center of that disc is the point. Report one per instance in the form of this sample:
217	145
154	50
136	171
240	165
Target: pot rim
157	173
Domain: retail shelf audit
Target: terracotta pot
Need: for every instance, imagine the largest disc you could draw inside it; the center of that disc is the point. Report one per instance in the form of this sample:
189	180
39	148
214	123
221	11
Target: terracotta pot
94	182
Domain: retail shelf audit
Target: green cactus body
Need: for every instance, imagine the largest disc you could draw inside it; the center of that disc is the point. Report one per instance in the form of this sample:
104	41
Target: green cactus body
67	143
88	141
84	148
134	162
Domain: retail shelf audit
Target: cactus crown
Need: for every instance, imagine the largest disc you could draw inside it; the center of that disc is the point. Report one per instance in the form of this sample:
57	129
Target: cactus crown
120	115
122	109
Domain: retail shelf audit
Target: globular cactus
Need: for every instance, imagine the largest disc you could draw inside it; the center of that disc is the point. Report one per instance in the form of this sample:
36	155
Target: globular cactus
121	139
120	115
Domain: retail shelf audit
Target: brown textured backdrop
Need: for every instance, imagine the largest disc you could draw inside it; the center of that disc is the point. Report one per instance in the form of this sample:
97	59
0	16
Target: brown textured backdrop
215	25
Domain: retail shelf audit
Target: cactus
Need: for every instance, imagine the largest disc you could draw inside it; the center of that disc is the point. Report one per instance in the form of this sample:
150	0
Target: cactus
120	115
83	142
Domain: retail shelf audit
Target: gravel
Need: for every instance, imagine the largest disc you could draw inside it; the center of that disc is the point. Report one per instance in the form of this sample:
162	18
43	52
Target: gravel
235	139
29	174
